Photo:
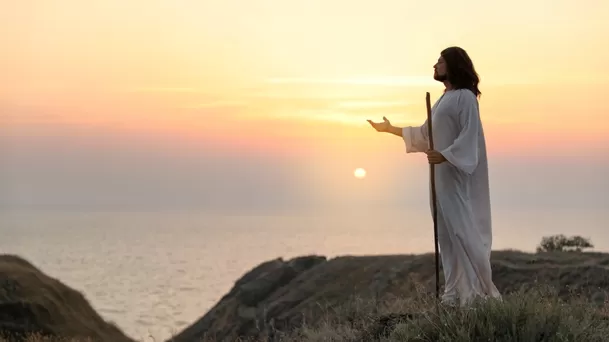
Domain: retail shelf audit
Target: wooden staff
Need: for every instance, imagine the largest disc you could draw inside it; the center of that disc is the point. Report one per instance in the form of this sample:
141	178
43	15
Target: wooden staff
433	196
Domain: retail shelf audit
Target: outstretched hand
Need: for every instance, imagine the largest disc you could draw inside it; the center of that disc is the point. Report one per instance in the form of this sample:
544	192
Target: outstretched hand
434	157
381	126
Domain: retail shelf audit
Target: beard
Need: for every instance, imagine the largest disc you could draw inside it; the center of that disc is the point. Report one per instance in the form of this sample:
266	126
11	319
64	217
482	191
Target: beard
440	78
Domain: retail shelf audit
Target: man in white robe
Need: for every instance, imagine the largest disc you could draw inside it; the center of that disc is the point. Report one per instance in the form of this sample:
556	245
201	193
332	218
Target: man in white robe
461	175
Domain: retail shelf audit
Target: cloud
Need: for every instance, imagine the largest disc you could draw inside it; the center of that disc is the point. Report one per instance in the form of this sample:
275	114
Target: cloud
216	104
345	110
387	81
163	90
361	104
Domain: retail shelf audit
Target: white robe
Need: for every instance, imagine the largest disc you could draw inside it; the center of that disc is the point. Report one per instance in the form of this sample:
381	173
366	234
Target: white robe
463	197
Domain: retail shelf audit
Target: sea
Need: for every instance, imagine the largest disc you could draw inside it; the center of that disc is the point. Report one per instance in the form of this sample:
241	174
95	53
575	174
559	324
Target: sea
154	273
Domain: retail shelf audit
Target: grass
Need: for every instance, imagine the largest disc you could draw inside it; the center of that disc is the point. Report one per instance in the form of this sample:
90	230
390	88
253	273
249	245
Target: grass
533	315
40	338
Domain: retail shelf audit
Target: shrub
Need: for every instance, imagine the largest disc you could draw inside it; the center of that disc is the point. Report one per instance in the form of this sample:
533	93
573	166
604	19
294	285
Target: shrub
561	243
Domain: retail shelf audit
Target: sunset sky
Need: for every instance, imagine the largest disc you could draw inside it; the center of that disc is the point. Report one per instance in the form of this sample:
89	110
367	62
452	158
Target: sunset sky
245	103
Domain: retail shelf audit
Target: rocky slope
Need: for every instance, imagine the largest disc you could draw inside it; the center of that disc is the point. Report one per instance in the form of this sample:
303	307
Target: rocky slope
280	295
32	302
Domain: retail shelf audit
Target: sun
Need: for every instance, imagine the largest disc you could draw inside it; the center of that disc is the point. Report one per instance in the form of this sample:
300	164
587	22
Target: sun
359	173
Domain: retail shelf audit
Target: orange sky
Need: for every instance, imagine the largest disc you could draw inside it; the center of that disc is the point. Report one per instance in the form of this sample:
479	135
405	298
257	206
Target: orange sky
270	74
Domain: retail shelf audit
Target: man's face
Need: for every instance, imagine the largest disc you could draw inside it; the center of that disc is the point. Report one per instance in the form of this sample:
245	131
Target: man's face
440	73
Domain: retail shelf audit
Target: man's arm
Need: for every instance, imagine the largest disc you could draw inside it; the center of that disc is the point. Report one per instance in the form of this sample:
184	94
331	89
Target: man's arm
415	138
463	153
395	130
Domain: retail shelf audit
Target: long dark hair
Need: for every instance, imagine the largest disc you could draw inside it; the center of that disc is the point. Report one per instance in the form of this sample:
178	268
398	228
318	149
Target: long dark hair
461	71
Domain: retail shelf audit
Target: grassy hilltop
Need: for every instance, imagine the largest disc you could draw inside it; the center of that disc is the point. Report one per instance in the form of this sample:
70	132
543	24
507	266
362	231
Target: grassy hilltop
556	296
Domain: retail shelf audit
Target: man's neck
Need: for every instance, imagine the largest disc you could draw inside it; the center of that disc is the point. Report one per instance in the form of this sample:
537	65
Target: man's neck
448	86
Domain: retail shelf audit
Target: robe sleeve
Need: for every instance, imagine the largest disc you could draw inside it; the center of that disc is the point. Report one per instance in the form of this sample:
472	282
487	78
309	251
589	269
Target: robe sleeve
463	153
416	138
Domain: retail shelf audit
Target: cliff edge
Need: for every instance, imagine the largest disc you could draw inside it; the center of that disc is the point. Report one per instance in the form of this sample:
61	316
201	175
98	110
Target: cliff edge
280	295
33	303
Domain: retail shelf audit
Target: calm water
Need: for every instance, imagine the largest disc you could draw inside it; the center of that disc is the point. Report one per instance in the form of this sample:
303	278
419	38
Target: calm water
155	273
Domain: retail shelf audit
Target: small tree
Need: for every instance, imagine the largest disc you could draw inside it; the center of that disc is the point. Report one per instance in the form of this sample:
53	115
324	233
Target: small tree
561	243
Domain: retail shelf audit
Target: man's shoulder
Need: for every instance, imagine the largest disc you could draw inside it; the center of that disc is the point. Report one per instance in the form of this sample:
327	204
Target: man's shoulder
467	94
466	97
